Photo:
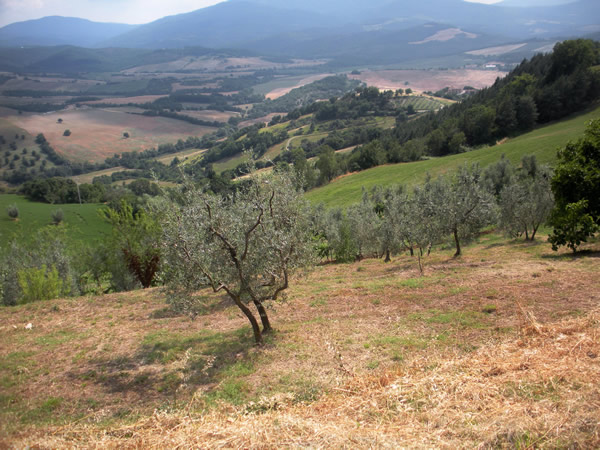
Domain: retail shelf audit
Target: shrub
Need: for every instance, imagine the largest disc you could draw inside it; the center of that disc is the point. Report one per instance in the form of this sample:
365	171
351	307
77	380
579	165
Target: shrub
13	211
67	133
39	284
57	216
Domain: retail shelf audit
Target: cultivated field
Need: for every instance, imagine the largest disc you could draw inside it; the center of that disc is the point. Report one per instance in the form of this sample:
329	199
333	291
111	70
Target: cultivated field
496	349
83	221
542	142
216	64
138	100
98	133
428	80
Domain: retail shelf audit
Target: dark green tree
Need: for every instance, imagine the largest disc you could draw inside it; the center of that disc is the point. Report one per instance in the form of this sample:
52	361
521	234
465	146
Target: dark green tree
576	188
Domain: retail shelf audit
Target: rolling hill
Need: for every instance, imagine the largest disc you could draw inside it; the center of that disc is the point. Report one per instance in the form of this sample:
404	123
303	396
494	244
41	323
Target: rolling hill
542	142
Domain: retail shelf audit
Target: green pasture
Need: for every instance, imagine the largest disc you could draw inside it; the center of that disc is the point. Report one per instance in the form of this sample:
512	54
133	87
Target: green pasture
83	221
542	142
421	103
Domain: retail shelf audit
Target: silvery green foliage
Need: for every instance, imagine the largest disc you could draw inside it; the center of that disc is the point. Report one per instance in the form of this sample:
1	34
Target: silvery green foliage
246	244
459	204
365	226
526	204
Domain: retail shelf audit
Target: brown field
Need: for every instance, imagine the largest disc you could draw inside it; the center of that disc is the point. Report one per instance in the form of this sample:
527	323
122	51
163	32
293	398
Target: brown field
98	133
495	51
220	64
446	35
429	80
497	349
219	116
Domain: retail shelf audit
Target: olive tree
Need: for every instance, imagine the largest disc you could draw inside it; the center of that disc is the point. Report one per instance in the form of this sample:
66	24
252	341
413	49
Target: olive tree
246	244
461	205
365	225
526	203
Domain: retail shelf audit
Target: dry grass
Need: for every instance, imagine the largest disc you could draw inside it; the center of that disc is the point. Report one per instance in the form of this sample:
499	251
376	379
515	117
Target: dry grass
497	349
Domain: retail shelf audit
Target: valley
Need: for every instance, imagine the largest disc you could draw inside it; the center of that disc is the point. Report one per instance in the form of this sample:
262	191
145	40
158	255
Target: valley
267	224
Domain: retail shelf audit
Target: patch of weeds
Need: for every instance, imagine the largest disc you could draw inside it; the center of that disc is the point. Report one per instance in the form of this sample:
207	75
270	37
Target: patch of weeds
489	309
372	365
231	391
458	290
318	302
412	283
360	269
491	294
515	439
376	301
169	383
409	341
397	357
467	348
239	369
56	338
533	391
463	319
44	412
141	378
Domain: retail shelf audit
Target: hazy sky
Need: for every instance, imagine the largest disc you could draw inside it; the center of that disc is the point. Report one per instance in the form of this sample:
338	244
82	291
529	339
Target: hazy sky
123	11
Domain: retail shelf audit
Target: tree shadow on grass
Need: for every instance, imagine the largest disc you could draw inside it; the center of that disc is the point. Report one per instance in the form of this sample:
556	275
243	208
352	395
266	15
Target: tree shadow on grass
207	304
164	359
573	256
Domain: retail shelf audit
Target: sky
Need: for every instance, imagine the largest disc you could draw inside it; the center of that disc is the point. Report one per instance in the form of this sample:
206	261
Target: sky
122	11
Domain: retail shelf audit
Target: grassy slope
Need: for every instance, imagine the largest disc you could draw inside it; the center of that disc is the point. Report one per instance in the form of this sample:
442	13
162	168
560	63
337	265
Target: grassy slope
364	355
83	220
542	142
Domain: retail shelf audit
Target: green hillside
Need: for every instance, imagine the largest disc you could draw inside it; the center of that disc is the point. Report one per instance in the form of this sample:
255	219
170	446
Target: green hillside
83	220
542	142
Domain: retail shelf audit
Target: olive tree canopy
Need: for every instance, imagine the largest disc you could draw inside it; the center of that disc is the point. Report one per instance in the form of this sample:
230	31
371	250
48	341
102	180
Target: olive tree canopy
246	244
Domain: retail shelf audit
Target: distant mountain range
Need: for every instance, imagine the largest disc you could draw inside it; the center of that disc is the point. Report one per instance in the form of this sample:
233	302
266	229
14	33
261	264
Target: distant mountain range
56	30
369	31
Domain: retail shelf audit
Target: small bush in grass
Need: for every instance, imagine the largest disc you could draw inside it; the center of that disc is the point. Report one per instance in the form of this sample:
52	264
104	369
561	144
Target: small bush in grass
13	212
67	133
58	216
39	284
